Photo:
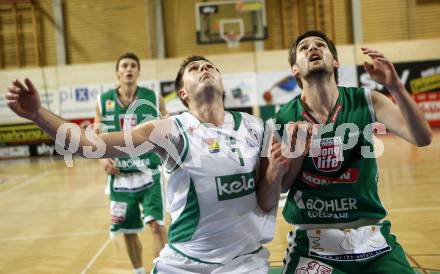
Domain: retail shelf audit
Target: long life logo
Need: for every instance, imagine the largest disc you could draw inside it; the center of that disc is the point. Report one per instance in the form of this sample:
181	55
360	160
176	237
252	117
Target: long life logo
327	153
234	186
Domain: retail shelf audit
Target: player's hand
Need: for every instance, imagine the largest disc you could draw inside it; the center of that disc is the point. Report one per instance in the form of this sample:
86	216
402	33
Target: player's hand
109	166
381	69
278	164
301	133
23	99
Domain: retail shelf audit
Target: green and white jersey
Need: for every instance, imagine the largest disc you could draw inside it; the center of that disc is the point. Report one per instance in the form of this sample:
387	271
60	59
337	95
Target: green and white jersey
117	117
211	194
339	184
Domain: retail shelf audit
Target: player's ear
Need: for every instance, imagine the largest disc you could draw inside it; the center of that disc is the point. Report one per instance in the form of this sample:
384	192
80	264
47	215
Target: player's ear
336	63
295	70
182	94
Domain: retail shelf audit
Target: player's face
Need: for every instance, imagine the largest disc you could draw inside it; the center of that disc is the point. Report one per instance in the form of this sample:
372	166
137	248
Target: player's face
128	71
313	56
201	78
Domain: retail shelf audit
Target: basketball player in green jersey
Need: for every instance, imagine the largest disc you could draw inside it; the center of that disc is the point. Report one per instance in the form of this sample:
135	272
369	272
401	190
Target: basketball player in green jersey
212	157
131	183
333	199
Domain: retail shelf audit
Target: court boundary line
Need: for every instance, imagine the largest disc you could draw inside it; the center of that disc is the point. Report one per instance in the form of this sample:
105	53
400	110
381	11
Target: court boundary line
25	183
93	260
418	266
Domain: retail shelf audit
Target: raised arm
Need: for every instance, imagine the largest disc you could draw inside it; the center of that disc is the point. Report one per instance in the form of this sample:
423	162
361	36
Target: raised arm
24	100
279	170
272	170
404	119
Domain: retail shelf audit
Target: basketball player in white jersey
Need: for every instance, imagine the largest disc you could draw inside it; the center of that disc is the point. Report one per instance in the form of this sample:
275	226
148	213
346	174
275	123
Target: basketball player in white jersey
212	158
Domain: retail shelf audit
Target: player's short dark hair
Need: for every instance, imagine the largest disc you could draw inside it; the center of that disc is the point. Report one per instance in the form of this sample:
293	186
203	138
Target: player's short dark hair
330	45
178	83
129	55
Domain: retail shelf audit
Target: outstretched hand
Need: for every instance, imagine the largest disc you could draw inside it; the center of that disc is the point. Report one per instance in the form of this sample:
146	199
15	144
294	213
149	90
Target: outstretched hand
381	69
23	99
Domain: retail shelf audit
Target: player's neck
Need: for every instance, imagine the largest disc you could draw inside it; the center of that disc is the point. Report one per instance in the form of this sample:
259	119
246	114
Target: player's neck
320	97
127	92
212	113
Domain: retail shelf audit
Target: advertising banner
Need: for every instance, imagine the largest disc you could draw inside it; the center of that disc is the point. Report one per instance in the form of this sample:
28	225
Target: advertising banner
421	79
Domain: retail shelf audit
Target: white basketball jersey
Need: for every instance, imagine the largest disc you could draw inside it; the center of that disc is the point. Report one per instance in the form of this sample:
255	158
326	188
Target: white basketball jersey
211	195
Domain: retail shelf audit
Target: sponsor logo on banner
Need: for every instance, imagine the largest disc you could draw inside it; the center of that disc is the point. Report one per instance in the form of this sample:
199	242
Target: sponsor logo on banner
425	83
234	186
22	134
327	153
82	94
429	103
414	75
45	149
14	151
78	101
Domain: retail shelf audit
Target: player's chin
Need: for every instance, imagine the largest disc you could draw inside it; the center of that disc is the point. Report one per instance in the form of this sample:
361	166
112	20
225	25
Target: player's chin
317	70
208	83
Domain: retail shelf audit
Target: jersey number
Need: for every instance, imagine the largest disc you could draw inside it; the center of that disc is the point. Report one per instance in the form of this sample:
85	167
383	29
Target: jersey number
240	157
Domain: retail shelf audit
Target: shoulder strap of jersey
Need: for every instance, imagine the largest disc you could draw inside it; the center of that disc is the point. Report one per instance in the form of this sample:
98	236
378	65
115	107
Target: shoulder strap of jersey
369	99
237	119
184	152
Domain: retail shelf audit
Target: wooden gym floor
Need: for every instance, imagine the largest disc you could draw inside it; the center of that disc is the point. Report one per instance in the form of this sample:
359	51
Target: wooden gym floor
54	219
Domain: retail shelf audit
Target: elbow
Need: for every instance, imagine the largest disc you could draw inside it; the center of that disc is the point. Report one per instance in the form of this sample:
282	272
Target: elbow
266	208
425	141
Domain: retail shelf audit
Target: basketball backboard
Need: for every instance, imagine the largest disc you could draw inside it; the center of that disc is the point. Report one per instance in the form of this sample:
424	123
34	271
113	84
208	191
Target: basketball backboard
230	21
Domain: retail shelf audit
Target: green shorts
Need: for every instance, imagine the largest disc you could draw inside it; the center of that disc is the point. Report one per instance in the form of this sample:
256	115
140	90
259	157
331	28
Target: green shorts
128	192
367	249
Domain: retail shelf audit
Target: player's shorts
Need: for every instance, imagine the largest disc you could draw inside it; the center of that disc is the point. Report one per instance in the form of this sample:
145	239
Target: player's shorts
367	249
128	192
172	261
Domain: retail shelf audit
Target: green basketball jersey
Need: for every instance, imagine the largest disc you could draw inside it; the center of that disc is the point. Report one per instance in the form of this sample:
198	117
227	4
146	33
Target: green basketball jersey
338	180
117	117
